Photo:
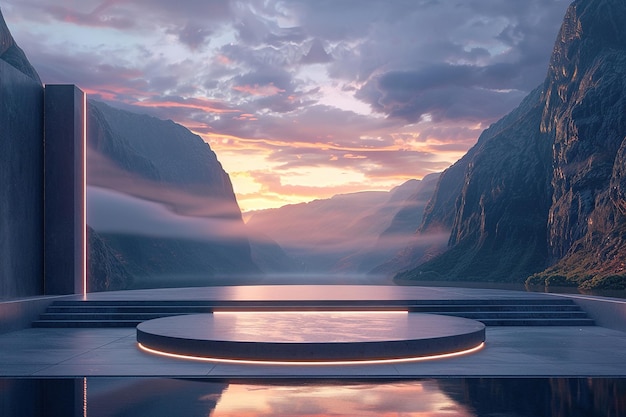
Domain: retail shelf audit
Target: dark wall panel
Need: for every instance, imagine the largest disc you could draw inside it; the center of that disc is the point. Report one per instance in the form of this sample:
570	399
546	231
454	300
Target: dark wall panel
64	189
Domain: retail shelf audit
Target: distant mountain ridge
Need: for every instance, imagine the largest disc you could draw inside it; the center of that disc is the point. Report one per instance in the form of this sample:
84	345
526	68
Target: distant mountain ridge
543	192
348	233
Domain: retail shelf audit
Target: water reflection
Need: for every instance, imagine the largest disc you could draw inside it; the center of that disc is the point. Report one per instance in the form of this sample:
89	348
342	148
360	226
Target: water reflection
471	397
409	399
526	397
313	326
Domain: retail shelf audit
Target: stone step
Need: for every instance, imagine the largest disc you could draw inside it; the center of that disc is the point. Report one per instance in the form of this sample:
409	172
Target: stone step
327	303
488	322
515	315
156	314
504	312
129	309
85	323
197	309
106	316
210	309
538	322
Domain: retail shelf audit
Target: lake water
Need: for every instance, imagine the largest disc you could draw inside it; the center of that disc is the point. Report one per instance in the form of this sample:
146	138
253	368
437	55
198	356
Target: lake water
453	397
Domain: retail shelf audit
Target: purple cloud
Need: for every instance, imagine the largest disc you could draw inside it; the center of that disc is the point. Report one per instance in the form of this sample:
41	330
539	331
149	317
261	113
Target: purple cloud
296	77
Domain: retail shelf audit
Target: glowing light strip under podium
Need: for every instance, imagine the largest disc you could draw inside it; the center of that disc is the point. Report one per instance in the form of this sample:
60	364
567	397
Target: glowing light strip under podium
314	363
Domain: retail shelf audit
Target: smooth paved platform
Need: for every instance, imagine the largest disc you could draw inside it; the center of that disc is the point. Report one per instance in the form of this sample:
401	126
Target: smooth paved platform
312	293
564	351
311	336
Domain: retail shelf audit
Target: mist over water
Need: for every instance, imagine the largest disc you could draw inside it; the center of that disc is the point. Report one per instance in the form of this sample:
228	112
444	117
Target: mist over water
202	280
325	279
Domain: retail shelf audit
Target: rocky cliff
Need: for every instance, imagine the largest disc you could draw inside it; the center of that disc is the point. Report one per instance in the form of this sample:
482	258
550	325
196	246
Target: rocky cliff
11	53
497	229
176	177
543	187
585	110
161	150
105	271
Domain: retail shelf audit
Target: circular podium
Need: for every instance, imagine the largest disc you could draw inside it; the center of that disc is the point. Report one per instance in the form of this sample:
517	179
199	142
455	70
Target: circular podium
311	337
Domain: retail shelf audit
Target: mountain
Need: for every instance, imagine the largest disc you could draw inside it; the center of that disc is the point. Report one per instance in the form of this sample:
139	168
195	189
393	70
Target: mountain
161	201
400	246
542	192
389	249
162	151
105	271
489	203
585	109
412	201
497	223
12	54
348	233
271	258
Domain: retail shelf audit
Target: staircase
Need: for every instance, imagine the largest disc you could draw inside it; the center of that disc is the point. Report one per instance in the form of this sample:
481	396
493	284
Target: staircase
492	312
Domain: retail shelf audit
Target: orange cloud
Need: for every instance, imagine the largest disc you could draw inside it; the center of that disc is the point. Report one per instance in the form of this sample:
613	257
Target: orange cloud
223	59
246	117
206	105
113	92
259	90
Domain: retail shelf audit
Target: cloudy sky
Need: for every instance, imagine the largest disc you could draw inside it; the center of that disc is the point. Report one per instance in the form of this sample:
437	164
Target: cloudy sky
302	99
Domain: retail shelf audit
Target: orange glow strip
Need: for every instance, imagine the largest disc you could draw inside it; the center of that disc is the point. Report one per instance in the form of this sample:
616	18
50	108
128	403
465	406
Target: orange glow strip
314	363
257	312
84	195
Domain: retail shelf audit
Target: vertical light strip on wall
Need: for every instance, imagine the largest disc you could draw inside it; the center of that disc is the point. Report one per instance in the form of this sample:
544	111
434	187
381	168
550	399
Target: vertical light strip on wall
84	195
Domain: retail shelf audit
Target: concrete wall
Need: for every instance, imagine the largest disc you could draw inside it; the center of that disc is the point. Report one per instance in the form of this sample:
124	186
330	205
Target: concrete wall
21	184
607	312
19	314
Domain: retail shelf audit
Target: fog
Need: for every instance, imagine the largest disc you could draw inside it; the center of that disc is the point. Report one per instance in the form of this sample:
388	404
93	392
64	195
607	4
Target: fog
111	211
189	200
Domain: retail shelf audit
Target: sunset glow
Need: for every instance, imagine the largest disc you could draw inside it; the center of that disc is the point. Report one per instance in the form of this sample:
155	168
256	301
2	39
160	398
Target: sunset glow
313	400
296	103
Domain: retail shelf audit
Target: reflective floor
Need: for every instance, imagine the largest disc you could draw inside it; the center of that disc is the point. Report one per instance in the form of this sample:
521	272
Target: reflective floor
451	397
